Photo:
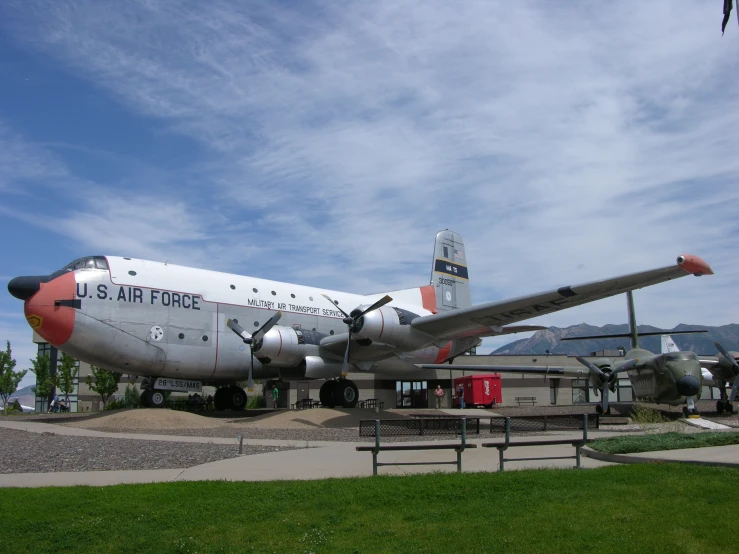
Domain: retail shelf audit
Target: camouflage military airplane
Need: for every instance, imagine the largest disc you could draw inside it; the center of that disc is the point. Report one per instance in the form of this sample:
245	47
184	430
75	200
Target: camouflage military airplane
718	371
183	328
673	378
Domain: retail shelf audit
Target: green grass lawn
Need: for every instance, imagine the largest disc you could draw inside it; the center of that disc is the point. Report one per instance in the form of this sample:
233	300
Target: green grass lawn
661	507
662	441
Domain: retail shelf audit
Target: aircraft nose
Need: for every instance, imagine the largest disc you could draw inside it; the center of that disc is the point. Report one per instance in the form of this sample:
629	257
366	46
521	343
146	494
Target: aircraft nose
688	385
24	288
50	310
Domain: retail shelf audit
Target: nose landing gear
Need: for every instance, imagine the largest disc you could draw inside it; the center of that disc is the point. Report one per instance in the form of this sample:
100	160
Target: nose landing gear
690	410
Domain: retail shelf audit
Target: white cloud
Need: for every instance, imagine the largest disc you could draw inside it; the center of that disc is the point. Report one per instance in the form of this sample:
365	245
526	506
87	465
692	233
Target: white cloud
565	142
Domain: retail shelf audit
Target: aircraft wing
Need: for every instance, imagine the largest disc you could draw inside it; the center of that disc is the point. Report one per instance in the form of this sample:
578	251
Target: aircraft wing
708	361
492	316
562	371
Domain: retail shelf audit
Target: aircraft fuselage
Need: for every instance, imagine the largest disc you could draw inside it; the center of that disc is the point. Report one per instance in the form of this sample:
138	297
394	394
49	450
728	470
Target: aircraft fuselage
156	319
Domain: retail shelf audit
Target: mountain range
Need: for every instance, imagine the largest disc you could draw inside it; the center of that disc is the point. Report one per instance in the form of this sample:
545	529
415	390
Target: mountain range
550	339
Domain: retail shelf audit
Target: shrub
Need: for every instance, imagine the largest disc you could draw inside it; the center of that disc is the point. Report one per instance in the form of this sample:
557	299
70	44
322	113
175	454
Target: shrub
115	404
256	401
643	415
131	398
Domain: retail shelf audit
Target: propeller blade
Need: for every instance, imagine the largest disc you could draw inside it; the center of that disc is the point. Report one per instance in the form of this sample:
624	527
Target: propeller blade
592	367
327	297
732	361
250	382
345	367
239	330
605	398
264	329
734	389
626	366
379	304
728	356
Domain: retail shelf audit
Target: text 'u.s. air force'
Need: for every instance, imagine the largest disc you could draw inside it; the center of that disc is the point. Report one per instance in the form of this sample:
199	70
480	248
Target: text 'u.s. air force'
135	295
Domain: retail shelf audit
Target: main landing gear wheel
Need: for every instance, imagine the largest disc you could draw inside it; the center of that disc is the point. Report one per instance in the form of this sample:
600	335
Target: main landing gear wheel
237	398
156	398
230	398
220	400
346	393
729	407
720	407
326	394
146	398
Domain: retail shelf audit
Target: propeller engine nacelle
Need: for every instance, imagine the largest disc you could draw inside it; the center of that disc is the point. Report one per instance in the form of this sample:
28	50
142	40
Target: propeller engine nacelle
282	346
312	367
727	364
390	325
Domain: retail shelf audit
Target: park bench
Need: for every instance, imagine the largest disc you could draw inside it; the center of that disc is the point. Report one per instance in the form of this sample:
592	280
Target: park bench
306	403
502	446
378	447
370	403
526	400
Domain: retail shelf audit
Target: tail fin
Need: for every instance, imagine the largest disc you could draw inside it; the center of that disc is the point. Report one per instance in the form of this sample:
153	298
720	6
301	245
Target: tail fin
449	274
668	345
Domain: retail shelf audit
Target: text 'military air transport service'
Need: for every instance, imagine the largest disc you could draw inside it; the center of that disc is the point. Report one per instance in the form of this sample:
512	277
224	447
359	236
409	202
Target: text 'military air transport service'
173	323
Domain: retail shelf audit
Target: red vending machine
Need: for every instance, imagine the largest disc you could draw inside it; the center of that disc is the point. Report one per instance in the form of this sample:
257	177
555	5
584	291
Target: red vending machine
479	390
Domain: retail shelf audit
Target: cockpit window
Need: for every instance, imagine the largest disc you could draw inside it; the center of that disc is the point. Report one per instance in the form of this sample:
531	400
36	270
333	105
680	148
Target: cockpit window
91	262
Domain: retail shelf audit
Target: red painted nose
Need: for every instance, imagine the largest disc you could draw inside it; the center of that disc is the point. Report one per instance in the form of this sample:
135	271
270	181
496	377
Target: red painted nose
49	311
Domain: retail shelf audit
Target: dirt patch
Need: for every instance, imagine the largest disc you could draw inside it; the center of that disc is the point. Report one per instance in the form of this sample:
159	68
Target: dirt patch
149	419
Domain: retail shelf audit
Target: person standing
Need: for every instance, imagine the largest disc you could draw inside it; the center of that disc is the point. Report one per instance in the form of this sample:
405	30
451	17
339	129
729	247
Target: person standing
439	393
460	395
275	396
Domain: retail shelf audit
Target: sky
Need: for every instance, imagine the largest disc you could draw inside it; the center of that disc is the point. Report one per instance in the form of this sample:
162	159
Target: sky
325	143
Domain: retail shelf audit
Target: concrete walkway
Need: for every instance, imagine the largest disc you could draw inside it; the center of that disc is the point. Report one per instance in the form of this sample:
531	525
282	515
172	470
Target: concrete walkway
323	459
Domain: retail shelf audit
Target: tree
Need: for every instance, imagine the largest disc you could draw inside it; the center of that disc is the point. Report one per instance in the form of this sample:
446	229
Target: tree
45	381
66	373
103	382
9	379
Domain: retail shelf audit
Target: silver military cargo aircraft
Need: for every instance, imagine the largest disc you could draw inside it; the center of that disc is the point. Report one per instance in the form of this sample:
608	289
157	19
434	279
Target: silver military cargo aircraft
184	327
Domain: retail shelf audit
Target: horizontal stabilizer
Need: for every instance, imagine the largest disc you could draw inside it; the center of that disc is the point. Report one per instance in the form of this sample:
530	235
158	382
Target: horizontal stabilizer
627	335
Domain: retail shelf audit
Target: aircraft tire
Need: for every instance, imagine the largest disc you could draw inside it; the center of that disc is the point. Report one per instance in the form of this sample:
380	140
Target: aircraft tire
220	400
729	407
720	407
346	394
326	394
146	399
156	398
237	398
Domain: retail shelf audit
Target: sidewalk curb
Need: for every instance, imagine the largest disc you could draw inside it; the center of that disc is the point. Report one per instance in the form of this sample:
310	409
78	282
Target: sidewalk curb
626	459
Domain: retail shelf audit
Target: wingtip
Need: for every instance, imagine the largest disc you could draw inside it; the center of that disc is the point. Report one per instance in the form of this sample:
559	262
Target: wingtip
694	265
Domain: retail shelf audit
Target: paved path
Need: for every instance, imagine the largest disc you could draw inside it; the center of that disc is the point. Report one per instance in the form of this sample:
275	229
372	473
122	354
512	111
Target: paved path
323	459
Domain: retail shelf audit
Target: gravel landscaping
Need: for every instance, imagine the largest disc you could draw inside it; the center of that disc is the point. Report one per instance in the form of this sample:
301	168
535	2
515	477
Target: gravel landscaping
24	452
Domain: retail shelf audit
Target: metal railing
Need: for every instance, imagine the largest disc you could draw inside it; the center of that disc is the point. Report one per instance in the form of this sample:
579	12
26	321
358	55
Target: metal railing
419	427
528	424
